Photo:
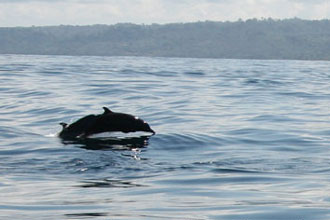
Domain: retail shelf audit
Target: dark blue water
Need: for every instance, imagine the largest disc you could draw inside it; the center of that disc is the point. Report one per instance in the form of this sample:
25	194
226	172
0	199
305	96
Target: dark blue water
236	139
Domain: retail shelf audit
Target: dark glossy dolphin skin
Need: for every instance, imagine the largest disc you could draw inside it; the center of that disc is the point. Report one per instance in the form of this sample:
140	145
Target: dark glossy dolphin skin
107	122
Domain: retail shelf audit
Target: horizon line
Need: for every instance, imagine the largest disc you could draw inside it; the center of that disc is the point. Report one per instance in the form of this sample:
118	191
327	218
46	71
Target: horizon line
170	23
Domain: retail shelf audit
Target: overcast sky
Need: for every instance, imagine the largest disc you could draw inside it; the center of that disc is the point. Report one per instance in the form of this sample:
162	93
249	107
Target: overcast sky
84	12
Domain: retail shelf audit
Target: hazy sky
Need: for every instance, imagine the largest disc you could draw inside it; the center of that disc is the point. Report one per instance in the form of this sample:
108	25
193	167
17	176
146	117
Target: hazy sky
82	12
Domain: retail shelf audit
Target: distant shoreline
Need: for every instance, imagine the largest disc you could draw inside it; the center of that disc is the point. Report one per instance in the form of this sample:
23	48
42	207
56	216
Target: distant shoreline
13	54
267	39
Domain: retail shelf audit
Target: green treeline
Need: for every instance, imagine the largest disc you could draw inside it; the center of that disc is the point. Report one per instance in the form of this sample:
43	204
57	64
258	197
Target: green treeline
251	39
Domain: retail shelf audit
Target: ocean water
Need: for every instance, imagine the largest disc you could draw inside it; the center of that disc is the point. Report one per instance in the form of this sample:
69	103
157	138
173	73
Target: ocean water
236	139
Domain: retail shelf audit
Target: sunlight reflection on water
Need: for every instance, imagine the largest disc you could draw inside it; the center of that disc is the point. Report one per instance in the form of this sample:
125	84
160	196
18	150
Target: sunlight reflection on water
235	139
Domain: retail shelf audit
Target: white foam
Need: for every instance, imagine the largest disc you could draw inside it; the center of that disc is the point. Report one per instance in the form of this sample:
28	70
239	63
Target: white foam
51	135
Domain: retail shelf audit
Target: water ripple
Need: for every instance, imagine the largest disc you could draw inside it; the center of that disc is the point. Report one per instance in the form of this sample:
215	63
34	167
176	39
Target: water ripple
235	138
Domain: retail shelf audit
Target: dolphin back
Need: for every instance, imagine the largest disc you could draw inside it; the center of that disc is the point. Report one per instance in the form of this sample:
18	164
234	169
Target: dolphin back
107	122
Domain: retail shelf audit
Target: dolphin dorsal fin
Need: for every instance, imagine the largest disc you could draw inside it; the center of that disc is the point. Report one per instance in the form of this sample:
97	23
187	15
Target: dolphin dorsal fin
64	125
106	110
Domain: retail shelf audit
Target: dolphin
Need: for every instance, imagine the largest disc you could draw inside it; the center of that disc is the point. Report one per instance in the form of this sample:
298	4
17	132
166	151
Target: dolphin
109	121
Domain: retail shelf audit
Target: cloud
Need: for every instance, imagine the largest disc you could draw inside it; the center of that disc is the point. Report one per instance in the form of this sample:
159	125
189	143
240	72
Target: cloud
82	12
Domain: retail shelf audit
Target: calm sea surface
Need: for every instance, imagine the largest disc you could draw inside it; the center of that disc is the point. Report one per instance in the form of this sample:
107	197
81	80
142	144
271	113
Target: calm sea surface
236	139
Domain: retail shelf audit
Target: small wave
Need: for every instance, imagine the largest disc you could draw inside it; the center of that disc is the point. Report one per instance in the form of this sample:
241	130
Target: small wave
241	179
233	170
33	93
7	132
302	95
263	82
164	73
185	141
195	73
108	183
273	118
85	215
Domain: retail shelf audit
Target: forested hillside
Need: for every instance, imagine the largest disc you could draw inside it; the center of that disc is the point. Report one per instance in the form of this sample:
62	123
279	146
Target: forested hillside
251	39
